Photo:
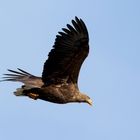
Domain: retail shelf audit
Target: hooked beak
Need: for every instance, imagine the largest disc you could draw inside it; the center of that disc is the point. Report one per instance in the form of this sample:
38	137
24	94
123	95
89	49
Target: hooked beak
89	101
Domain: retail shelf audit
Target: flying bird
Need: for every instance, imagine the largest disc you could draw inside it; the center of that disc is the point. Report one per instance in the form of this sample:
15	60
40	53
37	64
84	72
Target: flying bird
59	81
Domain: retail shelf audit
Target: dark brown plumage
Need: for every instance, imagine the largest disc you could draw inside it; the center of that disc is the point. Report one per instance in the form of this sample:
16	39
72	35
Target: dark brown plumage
58	83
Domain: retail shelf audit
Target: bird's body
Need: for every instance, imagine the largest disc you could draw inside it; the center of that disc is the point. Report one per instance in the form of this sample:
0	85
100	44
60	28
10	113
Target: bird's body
58	83
57	93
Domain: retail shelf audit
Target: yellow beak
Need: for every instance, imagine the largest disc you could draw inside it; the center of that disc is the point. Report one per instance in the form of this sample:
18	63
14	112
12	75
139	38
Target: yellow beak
89	101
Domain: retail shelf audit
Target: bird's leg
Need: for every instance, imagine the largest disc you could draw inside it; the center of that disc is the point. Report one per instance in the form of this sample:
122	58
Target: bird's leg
33	96
32	93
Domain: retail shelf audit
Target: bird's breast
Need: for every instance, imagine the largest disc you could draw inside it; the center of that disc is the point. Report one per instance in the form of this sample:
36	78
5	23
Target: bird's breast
57	94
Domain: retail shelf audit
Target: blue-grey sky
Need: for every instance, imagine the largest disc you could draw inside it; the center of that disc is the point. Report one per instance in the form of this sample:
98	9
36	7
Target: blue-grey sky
110	75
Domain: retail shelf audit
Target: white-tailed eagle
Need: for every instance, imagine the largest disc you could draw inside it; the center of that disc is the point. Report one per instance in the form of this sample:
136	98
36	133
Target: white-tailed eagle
58	83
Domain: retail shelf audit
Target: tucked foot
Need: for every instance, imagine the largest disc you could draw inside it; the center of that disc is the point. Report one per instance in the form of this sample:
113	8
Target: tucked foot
33	96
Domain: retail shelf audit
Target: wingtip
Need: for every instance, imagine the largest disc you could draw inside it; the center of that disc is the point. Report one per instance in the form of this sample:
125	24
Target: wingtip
2	80
76	18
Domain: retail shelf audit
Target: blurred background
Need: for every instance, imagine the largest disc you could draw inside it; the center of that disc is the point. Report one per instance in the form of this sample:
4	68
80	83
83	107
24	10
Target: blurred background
110	75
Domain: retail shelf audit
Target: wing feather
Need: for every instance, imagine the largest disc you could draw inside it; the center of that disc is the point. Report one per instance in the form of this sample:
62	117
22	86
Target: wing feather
69	51
24	77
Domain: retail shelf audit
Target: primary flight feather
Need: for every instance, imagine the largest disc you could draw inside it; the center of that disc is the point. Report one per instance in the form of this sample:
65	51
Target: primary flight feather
58	83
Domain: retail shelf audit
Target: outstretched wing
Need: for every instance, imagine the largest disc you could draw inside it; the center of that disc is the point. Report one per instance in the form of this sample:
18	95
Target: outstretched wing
24	77
69	51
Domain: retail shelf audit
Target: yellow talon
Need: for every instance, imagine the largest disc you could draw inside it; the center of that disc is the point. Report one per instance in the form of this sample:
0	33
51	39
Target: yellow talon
33	96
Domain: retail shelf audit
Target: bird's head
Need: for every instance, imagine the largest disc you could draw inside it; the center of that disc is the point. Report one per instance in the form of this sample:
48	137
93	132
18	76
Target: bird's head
85	98
88	100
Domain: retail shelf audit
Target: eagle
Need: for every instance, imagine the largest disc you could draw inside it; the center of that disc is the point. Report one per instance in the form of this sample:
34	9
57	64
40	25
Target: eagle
59	81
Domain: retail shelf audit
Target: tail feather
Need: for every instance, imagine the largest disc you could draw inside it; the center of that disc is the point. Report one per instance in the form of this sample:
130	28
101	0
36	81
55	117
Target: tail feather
19	91
29	80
